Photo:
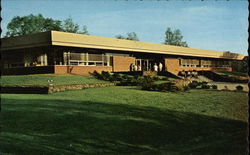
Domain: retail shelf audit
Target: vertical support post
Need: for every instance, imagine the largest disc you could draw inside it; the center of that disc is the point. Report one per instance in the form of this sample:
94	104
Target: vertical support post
102	59
45	60
87	59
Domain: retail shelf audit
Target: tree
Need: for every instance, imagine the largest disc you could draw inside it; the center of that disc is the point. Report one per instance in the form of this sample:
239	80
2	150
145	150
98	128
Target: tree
174	38
130	36
241	65
31	24
84	30
120	37
70	26
37	23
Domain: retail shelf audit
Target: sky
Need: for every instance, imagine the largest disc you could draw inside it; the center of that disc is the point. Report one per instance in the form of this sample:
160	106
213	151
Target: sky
220	25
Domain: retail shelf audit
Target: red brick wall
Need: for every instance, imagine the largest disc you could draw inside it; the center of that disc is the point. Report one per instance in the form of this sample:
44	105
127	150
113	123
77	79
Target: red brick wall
122	64
80	70
172	65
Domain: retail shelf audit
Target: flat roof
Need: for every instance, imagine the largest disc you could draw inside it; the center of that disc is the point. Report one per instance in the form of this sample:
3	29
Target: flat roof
86	41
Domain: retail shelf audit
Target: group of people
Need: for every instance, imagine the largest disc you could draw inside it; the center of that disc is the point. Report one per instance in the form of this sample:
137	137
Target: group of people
156	67
190	73
135	67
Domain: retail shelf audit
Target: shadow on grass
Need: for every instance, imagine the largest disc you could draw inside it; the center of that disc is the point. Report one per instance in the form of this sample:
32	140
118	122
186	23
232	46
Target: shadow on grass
62	127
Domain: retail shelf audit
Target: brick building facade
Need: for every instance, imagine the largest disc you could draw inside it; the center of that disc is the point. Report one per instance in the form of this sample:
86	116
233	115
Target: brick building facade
62	53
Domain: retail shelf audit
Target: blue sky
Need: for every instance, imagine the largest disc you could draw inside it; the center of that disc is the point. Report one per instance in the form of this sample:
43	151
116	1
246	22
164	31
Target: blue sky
215	25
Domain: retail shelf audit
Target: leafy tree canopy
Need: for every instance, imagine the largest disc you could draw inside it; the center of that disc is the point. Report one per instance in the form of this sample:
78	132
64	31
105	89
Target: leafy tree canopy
130	36
37	23
174	38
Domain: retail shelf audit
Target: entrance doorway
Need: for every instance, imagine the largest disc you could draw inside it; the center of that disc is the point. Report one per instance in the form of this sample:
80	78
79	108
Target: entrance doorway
145	64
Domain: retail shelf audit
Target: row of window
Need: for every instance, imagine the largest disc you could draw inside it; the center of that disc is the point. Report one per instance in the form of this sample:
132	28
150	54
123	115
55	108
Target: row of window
203	63
86	59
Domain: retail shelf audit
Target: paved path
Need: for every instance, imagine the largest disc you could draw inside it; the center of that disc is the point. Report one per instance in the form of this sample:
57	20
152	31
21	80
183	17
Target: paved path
230	86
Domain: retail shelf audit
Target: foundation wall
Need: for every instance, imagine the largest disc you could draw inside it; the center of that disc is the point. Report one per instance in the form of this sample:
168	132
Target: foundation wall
81	70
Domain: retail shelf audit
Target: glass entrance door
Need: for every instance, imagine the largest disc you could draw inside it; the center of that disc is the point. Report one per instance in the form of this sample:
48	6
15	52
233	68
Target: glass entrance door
145	64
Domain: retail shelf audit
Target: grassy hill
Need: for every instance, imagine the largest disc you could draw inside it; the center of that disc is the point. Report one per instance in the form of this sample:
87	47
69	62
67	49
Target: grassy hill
124	120
42	80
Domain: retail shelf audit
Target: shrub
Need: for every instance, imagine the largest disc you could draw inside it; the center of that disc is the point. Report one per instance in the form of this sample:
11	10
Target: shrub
98	75
193	84
123	82
165	78
156	78
125	76
149	86
214	86
130	81
148	79
106	75
136	76
168	86
239	88
182	85
117	77
204	82
205	86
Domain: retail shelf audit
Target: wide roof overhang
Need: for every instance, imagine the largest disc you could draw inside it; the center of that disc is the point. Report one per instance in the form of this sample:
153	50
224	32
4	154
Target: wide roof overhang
86	41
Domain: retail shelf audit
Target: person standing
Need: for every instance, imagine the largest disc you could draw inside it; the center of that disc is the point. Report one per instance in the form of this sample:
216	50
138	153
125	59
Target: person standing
160	67
139	68
135	68
155	68
131	67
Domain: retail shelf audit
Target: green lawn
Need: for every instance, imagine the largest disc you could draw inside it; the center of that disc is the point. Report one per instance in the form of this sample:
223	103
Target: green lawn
43	79
124	120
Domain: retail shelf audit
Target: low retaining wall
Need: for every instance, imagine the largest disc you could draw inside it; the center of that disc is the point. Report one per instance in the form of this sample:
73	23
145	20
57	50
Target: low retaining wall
49	89
53	89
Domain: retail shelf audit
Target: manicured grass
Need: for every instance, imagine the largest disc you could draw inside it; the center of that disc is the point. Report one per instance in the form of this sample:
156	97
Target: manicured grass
43	79
124	120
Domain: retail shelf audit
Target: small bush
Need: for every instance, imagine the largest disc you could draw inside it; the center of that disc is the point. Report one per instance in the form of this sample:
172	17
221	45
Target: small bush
156	78
98	75
149	86
117	77
148	79
165	78
214	86
204	82
182	85
123	82
136	76
163	87
205	86
106	75
239	88
193	84
125	76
